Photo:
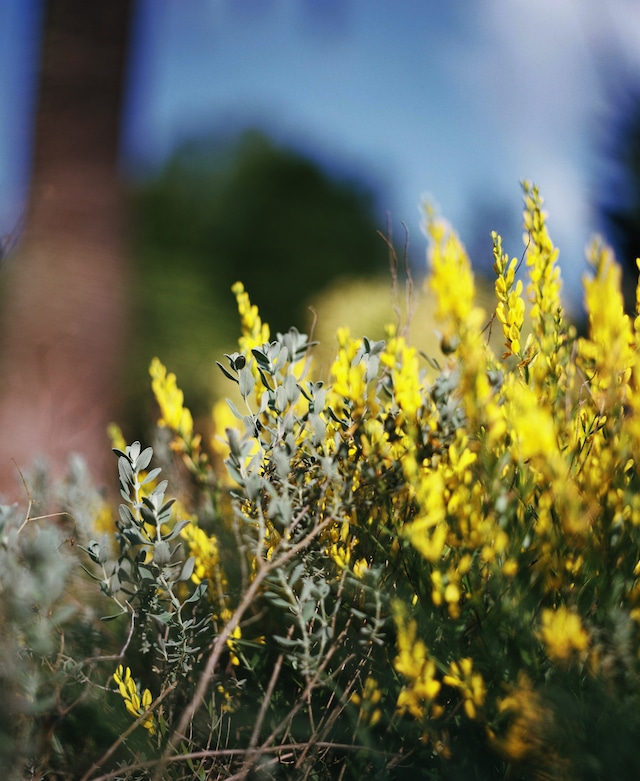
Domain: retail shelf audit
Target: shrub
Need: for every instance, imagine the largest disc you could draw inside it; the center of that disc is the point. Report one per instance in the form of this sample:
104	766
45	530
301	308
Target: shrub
423	569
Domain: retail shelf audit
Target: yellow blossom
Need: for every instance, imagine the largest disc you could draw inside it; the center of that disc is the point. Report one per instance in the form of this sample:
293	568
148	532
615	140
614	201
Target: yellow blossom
170	399
428	533
562	633
114	432
232	641
510	308
528	722
413	662
609	349
255	333
368	701
204	548
135	702
462	676
544	274
451	278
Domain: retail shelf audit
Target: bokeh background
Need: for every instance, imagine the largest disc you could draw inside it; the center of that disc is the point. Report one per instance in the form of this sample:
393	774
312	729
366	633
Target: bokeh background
154	151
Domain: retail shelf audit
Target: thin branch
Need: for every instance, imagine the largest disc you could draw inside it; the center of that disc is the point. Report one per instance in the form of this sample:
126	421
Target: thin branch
120	740
253	742
265	567
238	752
393	269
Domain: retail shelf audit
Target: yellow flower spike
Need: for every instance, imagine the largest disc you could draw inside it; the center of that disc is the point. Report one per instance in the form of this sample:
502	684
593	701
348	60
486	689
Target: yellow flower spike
255	333
532	425
135	703
413	662
371	696
510	308
114	432
120	677
451	280
408	391
546	314
428	533
205	550
170	399
609	350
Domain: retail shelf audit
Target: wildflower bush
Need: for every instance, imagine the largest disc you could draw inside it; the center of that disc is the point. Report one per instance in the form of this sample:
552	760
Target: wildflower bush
422	567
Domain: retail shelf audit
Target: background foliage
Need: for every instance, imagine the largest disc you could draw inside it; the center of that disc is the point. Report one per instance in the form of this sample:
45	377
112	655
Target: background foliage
244	208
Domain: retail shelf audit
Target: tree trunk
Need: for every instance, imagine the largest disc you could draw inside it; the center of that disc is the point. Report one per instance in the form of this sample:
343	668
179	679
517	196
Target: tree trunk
63	310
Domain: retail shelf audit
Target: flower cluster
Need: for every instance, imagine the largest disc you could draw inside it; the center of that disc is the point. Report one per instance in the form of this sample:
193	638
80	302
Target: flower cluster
441	548
136	702
173	413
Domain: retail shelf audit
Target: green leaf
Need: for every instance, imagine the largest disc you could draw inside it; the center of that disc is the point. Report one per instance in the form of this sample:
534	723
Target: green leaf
246	382
126	515
261	358
233	408
226	373
187	568
111	618
150	476
198	593
161	553
238	361
163	618
286	641
134	536
143	460
176	530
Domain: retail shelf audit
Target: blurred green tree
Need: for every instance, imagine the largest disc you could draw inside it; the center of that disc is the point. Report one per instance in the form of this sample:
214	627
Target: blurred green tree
242	209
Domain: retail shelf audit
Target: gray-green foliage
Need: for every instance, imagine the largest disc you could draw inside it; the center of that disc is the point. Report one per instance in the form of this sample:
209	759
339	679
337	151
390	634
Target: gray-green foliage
144	580
290	492
34	571
271	657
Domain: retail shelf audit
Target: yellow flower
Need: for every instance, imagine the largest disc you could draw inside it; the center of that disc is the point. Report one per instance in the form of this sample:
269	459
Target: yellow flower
360	567
532	425
428	533
135	702
413	662
609	351
471	684
544	274
402	360
451	277
255	333
528	723
232	640
204	548
563	634
114	432
510	308
370	698
173	413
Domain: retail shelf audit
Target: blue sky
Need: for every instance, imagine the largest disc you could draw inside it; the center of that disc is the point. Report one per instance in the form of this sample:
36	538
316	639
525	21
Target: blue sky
457	99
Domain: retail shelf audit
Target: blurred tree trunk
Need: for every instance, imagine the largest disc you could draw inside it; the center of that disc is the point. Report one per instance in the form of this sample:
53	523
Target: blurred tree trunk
63	309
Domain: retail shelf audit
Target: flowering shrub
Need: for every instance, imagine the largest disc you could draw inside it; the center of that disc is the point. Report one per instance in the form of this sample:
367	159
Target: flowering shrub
421	568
